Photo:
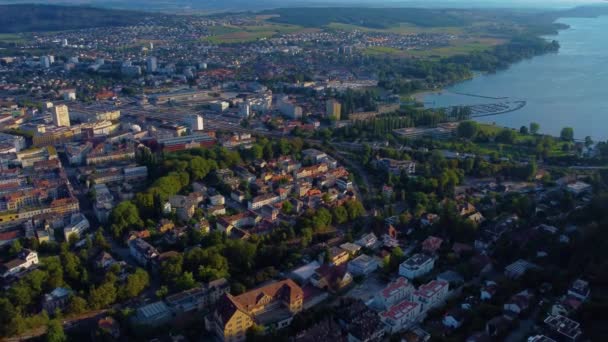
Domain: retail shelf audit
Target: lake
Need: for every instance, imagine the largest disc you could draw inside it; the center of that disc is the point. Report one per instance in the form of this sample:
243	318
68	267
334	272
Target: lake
564	89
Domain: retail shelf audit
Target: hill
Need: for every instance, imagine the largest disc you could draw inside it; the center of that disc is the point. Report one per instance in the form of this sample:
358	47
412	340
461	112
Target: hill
367	17
39	18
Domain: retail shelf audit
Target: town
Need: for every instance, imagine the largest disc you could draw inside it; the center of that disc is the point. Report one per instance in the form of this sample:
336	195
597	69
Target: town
198	178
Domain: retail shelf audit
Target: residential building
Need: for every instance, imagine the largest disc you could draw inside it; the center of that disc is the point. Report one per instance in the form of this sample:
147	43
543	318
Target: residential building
338	256
368	241
431	244
562	328
56	300
262	200
331	278
431	295
271	305
396	291
25	260
363	265
78	225
144	253
303	274
61	116
333	109
580	290
400	316
417	265
519	268
104	202
154	314
200	298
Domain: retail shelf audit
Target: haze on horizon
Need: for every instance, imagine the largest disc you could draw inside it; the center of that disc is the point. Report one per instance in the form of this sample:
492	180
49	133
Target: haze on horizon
265	4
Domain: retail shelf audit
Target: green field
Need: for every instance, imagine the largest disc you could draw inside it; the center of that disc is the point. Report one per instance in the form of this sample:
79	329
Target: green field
244	34
11	38
457	47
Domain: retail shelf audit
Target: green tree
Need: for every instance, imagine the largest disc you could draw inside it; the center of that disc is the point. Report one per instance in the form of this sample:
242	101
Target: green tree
524	130
506	136
125	216
287	207
55	332
534	128
185	281
76	305
136	283
468	129
588	142
102	296
567	134
340	214
355	209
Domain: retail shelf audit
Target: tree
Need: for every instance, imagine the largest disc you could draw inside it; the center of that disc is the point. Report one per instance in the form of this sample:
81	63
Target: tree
16	247
534	128
468	129
55	332
340	214
102	296
506	136
125	216
287	207
588	142
100	241
136	283
355	209
567	134
76	305
162	292
185	281
523	130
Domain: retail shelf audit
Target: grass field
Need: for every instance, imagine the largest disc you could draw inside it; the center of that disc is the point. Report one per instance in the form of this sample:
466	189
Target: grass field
11	38
243	34
457	47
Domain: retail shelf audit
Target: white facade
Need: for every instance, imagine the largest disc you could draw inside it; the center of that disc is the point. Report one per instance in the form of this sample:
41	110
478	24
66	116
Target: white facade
416	266
362	265
431	294
151	64
401	316
61	116
397	291
195	122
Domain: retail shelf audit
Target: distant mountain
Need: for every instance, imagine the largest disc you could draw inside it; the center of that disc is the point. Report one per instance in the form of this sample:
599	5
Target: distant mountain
255	5
39	18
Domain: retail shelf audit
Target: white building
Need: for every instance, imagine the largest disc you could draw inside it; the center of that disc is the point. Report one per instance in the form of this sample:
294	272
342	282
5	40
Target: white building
151	64
78	225
289	109
194	122
363	265
24	261
396	291
104	202
45	62
401	316
431	295
417	265
61	116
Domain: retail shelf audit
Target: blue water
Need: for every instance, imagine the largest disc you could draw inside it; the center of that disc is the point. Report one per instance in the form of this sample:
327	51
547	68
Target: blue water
564	89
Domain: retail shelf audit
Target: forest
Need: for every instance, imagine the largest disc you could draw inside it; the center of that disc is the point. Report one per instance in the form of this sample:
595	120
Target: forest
40	18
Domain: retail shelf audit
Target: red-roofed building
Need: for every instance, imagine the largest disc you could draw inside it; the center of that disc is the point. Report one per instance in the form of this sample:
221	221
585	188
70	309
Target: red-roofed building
398	290
401	316
431	294
431	244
